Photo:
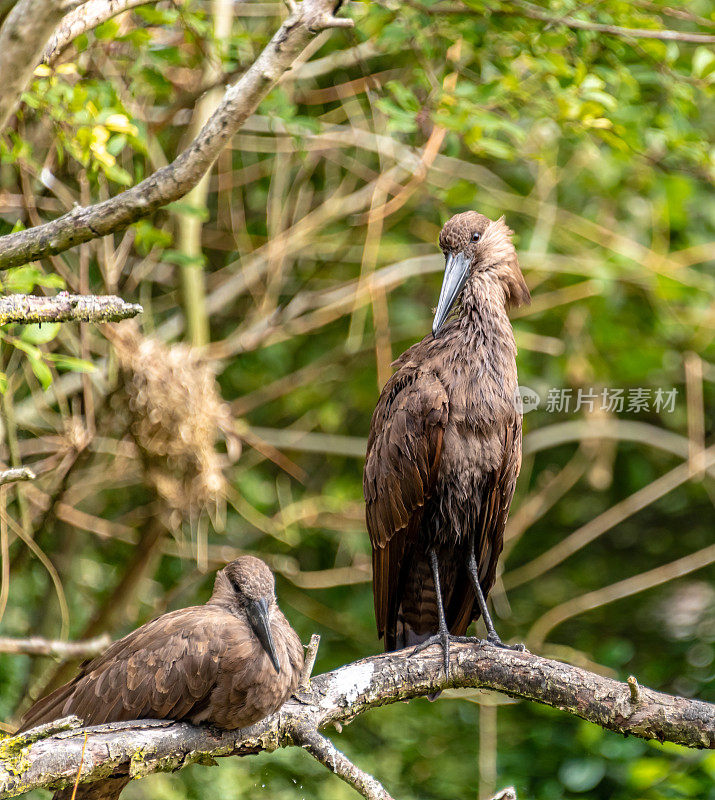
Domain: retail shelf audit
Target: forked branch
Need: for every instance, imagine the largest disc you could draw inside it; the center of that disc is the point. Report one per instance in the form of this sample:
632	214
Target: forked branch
139	748
173	181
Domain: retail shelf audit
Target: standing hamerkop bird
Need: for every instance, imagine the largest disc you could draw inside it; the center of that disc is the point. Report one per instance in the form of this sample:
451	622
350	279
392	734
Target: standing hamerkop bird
229	663
444	449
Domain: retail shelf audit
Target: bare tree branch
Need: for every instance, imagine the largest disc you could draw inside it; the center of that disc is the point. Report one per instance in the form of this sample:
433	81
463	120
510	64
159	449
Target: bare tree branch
88	16
665	35
37	646
65	307
173	181
524	9
323	750
616	591
5	8
140	748
16	474
22	37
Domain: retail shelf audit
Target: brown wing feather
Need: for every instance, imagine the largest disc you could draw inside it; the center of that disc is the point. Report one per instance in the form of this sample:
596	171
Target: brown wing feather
497	494
403	455
156	671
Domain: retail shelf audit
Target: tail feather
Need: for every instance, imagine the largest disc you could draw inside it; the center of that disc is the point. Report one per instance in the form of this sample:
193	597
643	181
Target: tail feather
48	708
406	637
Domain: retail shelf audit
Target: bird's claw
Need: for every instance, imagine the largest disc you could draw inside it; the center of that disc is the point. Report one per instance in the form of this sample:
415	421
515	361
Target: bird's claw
442	638
494	639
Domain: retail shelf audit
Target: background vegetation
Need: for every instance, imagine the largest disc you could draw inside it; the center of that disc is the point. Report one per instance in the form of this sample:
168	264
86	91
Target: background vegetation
309	264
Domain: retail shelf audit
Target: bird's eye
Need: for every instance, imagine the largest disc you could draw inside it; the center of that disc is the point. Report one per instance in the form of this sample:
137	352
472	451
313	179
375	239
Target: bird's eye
476	236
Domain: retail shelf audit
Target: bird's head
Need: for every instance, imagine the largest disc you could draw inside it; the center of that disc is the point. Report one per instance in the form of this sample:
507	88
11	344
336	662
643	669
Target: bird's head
247	587
474	245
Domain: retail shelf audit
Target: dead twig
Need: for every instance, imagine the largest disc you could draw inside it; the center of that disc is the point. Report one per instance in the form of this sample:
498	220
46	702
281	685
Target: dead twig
324	751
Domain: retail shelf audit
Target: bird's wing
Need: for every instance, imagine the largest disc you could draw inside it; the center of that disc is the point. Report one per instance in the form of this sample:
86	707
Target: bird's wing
495	494
403	455
166	669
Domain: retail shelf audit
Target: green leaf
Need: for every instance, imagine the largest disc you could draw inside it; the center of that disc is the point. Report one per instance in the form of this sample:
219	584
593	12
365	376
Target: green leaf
39	333
116	144
183	259
22	280
70	362
189	210
107	30
149	236
3	383
118	175
41	370
404	96
26	347
703	62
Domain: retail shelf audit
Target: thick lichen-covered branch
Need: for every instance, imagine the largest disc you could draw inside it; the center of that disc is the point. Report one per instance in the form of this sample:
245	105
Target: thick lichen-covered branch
65	307
139	748
173	181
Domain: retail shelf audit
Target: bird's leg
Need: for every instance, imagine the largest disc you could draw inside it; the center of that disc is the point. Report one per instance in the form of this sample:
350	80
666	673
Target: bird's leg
492	635
442	637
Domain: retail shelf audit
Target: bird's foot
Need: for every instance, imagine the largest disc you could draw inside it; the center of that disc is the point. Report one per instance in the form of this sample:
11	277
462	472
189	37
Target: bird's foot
443	638
494	639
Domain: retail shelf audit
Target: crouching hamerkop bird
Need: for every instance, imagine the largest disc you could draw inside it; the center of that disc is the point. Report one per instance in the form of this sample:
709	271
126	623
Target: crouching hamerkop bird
229	662
444	449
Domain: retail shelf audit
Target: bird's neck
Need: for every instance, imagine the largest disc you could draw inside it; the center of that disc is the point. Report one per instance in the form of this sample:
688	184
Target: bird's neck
485	329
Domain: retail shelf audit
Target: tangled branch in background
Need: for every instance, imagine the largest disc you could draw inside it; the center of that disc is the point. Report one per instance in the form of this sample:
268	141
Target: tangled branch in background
50	759
38	646
172	182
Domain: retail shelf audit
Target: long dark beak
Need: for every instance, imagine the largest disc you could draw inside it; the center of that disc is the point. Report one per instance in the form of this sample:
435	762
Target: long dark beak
456	271
258	617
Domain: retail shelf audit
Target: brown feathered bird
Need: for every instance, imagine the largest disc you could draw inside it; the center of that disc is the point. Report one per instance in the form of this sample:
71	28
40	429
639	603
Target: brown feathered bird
229	663
444	449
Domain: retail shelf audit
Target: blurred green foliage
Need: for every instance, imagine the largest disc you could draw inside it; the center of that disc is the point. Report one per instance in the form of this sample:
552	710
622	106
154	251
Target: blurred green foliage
597	148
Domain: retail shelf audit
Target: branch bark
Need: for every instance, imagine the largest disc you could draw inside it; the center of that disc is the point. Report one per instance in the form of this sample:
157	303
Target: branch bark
65	307
324	751
88	16
16	474
139	748
173	181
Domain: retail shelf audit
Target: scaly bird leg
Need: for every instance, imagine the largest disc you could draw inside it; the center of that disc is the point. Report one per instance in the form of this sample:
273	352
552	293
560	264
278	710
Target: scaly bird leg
442	637
492	635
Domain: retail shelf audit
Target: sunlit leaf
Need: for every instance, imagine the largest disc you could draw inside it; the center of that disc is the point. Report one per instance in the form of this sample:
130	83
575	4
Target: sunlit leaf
40	333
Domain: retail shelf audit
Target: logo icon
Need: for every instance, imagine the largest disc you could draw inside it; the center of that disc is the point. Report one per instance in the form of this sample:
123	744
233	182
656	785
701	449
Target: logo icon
525	399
